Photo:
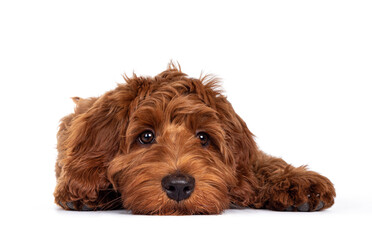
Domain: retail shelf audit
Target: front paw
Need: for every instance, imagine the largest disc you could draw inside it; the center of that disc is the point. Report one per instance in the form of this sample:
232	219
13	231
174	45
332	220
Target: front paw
107	200
75	205
296	189
65	199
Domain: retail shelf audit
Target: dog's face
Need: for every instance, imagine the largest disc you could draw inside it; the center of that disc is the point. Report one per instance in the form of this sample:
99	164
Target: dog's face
175	144
174	159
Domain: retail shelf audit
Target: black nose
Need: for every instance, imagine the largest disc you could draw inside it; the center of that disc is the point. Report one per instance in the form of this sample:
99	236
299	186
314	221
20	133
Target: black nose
178	186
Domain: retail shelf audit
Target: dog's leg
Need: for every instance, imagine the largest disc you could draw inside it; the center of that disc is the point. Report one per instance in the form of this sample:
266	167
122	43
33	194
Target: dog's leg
286	188
85	190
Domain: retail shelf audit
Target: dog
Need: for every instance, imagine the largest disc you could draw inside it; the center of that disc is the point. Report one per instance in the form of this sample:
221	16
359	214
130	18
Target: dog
173	145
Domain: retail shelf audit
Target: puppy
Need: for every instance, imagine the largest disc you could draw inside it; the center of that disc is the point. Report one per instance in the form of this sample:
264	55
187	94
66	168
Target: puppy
173	145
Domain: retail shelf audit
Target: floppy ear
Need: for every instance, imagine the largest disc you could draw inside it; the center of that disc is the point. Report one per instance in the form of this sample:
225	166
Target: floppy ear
240	149
88	142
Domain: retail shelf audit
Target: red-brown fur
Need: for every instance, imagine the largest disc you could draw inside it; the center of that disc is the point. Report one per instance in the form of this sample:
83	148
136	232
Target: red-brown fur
101	165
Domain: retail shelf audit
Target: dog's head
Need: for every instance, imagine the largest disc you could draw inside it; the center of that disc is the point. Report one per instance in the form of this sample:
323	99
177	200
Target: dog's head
170	144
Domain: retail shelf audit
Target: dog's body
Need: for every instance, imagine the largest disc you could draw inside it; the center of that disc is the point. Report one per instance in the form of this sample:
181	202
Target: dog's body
173	145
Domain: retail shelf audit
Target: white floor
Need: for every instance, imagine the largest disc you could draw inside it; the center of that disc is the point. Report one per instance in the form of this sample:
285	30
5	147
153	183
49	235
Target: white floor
348	219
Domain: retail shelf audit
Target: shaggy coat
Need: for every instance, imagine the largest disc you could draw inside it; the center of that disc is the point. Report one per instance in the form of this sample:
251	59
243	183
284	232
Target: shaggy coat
116	151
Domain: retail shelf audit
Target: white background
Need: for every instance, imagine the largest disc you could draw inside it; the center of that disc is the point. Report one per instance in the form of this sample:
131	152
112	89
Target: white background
298	72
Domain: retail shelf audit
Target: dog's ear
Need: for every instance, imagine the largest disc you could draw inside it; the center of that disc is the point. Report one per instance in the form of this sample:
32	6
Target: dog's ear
240	149
91	140
239	140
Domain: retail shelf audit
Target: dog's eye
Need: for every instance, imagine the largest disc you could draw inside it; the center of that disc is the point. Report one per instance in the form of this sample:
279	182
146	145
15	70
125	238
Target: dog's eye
204	138
146	137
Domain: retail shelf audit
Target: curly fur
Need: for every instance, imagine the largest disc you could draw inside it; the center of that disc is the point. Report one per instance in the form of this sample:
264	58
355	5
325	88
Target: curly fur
101	165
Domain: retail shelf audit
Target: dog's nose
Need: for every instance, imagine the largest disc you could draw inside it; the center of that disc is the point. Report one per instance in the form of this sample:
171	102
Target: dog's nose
178	186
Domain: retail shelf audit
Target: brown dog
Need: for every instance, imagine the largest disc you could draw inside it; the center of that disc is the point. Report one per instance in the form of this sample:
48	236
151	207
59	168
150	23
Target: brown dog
172	144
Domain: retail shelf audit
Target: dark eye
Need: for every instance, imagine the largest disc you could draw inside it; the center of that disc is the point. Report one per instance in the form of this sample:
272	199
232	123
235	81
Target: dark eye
204	138
146	137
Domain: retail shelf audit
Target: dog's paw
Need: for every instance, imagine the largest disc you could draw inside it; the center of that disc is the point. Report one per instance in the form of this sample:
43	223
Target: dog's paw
305	207
300	190
107	200
76	206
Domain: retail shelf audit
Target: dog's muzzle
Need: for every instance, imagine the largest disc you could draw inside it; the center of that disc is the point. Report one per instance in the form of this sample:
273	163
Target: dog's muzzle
178	186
